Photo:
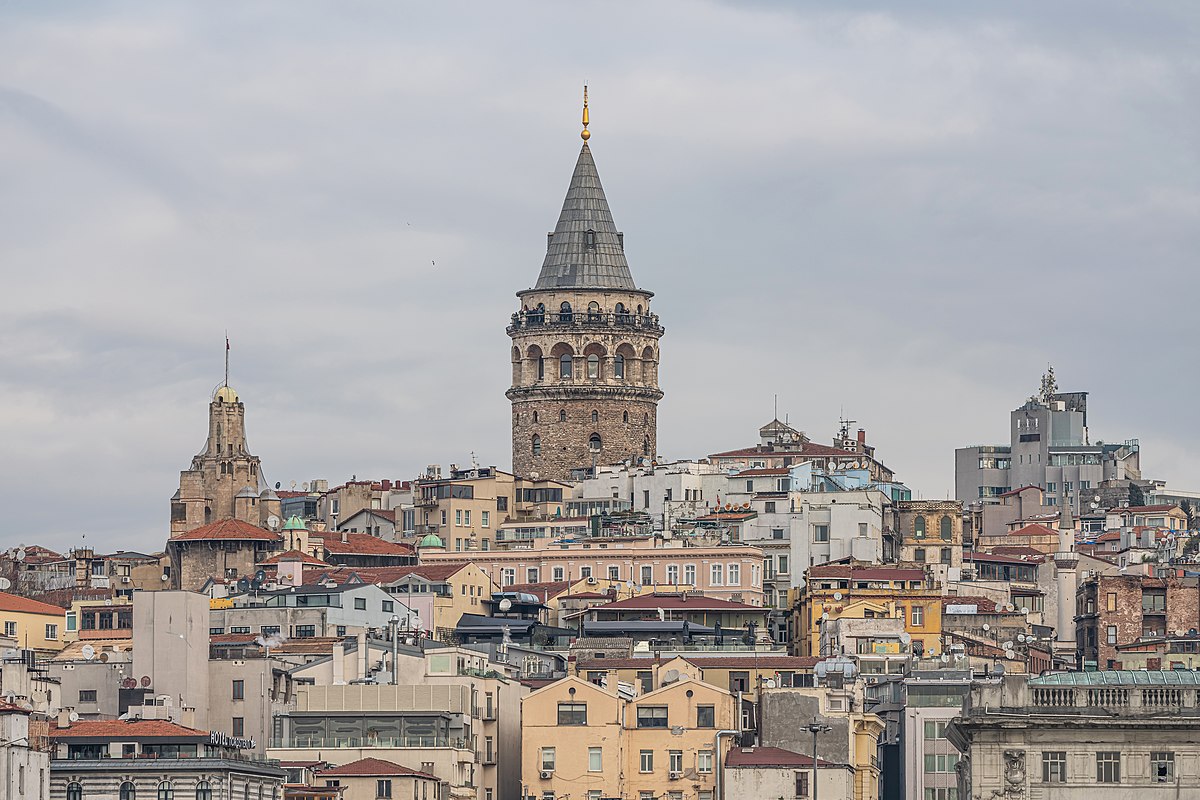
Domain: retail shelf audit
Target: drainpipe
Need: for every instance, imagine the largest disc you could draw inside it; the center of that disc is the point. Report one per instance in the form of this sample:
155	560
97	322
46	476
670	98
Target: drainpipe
718	766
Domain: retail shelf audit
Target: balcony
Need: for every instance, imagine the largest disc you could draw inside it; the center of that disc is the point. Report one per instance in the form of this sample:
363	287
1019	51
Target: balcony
552	320
382	742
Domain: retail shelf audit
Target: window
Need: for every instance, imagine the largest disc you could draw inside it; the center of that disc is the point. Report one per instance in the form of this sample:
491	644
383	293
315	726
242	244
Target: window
128	791
820	533
383	789
564	312
918	616
564	368
360	604
306	631
646	761
675	760
572	713
536	445
689	574
614	573
595	759
239	690
1112	601
239	628
75	791
10	628
508	576
484	519
594	443
801	784
387	605
87	695
532	574
739	681
717	574
946	555
919	555
777	533
940	762
769	507
165	791
672	574
652	716
1054	766
1051	486
733	574
783	565
919	527
1112	634
706	716
647	575
51	631
585	572
593	369
935	730
1162	766
704	761
1108	767
947	528
548	759
619	373
942	793
238	725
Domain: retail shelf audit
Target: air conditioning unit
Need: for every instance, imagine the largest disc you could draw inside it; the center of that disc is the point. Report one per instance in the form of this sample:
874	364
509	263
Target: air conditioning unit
591	580
124	579
675	776
546	775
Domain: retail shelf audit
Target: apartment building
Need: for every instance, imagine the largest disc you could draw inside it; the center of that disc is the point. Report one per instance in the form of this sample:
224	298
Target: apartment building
32	624
1114	610
591	742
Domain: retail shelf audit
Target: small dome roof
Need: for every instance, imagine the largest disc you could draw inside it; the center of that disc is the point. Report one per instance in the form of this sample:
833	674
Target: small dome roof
430	540
225	394
294	523
268	494
247	491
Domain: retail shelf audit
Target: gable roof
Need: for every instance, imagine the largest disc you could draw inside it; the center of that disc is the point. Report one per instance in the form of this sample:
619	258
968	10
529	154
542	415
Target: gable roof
360	544
1034	529
430	572
227	529
1164	507
771	757
124	729
367	767
294	555
16	604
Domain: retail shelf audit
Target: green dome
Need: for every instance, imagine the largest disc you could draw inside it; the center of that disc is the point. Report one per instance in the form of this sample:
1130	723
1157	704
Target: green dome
294	523
431	540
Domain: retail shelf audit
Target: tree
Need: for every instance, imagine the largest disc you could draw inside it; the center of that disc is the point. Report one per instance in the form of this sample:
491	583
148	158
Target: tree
1136	496
1186	505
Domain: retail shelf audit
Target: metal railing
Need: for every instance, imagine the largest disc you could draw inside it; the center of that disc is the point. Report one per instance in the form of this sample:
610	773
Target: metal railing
552	319
369	741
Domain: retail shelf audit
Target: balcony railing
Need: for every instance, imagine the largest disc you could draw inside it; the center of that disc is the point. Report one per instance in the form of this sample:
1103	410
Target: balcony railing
303	742
555	319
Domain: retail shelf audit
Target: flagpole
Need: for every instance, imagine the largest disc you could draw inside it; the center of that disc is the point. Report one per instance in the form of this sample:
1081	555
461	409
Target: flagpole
226	359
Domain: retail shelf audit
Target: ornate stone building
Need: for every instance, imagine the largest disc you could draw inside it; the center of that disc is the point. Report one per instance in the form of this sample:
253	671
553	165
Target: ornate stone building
585	346
225	481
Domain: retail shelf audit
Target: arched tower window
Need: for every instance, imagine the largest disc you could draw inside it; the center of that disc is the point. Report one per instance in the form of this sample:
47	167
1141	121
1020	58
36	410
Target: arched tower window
595	415
538	315
74	791
128	791
562	415
625	416
645	445
564	313
947	528
536	445
594	443
593	311
564	366
619	367
535	417
593	366
919	527
537	362
622	314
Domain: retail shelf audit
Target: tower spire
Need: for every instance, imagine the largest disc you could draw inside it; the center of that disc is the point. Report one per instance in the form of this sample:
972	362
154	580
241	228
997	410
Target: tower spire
585	134
226	358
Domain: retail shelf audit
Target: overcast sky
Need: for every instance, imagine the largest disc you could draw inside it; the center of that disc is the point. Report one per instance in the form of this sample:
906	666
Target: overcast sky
901	212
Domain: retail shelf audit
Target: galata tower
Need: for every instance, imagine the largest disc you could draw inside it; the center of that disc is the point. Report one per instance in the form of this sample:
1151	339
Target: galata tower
585	345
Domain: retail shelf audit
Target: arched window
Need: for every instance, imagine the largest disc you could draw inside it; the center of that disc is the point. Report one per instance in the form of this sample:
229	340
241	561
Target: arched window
74	791
594	443
619	367
622	314
947	528
564	312
590	238
645	445
562	415
564	366
166	791
593	366
593	311
537	445
625	416
538	315
595	415
919	527
535	418
128	792
203	791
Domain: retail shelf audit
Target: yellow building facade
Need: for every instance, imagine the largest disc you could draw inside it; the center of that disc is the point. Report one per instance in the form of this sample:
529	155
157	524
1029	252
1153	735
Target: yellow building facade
32	624
585	741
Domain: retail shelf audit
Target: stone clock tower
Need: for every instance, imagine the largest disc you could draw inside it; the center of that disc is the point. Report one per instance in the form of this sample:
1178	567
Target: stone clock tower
585	345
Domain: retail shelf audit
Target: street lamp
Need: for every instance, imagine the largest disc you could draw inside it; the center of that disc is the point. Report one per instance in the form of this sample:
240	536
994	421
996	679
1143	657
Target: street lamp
814	728
394	624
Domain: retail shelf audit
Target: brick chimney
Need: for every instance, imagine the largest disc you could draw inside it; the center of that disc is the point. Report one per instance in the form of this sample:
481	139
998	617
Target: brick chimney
862	436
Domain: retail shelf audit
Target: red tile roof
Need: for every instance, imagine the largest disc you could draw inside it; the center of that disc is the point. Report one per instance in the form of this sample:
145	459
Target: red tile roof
866	573
1018	490
9	708
1019	550
23	605
1034	529
361	544
585	596
1109	536
771	757
1145	509
676	602
430	572
367	767
118	729
294	555
387	514
228	529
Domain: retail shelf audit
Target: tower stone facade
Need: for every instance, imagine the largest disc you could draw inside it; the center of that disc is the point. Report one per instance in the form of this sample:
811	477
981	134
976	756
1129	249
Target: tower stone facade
225	480
585	347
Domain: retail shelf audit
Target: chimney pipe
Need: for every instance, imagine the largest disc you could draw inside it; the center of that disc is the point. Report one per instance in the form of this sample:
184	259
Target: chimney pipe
64	717
862	436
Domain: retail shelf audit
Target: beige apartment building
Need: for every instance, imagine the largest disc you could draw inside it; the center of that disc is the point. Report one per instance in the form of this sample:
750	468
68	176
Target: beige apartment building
465	508
733	573
582	740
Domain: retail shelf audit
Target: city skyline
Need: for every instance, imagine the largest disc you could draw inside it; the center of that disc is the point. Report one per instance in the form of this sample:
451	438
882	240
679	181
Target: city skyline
356	205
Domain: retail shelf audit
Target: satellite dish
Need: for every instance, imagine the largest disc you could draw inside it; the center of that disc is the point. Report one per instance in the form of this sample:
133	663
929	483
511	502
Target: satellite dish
416	621
88	652
987	627
630	584
1025	610
1020	637
670	676
945	658
505	604
273	522
164	577
104	658
837	595
73	716
825	616
906	637
5	584
20	554
769	683
145	681
277	484
1008	645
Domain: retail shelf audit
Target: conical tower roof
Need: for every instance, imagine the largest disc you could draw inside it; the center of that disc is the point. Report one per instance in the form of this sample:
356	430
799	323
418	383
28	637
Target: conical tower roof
576	259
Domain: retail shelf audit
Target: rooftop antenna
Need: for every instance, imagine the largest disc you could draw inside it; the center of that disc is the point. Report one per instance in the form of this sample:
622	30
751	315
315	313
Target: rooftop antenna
776	414
226	359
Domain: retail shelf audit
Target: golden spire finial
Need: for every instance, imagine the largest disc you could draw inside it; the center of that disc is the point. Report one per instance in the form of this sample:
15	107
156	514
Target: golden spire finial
586	133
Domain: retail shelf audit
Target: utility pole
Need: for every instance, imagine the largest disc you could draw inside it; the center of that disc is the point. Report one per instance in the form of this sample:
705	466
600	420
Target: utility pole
814	728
